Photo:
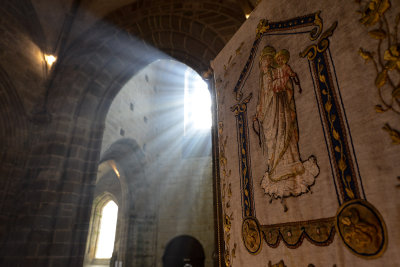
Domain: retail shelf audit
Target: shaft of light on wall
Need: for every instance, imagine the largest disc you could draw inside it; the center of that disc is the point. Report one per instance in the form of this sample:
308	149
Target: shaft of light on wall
114	167
50	59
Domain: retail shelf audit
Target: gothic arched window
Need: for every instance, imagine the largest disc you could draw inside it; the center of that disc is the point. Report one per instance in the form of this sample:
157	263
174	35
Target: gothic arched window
106	235
102	230
197	101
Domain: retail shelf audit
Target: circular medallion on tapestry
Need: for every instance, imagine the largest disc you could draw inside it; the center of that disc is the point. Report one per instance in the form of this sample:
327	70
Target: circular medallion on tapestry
251	235
361	228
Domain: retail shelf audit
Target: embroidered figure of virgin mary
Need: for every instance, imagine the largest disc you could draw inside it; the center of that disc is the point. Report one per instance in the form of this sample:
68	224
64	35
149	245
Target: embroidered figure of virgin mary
286	175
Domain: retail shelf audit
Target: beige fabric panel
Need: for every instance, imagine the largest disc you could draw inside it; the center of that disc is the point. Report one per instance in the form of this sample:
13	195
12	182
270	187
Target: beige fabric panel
378	159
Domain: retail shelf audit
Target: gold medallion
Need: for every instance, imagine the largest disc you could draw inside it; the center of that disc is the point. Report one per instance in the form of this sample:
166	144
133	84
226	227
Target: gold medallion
361	228
251	235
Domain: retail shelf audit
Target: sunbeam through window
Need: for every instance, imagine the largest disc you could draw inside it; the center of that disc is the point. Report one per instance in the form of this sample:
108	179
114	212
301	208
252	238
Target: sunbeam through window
197	102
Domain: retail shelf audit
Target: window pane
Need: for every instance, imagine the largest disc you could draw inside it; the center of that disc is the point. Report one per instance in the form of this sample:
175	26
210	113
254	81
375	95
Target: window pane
197	102
108	224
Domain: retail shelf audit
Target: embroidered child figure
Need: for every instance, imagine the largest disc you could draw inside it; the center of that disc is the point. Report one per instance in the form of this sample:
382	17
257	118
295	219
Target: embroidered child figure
282	73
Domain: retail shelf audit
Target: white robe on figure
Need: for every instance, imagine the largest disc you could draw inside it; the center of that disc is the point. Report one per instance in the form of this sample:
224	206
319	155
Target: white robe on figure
286	174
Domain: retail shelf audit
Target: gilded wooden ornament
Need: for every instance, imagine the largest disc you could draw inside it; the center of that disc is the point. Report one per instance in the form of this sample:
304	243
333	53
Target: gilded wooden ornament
251	235
361	228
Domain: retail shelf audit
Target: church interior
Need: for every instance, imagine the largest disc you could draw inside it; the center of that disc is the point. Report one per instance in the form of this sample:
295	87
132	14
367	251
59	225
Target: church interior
122	144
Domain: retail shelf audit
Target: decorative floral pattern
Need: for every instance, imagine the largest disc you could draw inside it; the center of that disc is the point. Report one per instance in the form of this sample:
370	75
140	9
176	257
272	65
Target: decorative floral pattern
226	197
373	11
388	67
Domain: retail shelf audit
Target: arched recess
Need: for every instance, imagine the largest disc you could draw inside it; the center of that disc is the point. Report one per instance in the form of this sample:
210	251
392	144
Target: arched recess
184	251
127	160
123	162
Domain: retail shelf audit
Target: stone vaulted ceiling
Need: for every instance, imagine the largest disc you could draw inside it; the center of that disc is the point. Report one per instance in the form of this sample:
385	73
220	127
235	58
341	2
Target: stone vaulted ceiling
191	31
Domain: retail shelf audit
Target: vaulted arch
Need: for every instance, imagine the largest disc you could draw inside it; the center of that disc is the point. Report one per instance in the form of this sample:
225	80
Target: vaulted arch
189	28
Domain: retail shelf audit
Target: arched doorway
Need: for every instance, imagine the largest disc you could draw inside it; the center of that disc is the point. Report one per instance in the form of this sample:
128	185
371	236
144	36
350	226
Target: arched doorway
184	251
